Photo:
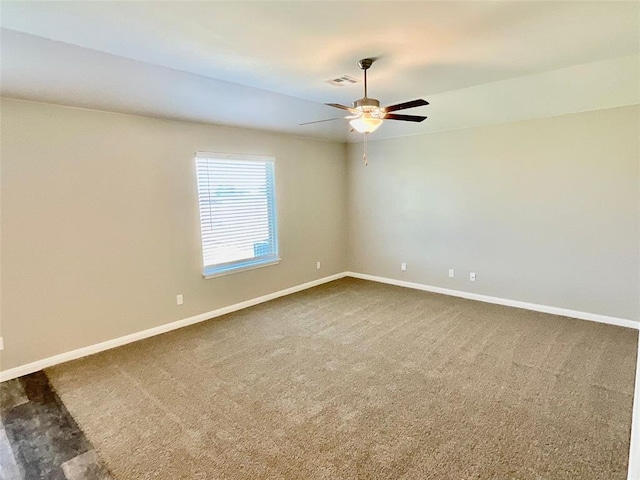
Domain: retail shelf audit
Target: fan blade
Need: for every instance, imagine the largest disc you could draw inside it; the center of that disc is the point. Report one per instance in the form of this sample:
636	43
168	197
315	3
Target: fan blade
337	105
404	118
403	106
320	121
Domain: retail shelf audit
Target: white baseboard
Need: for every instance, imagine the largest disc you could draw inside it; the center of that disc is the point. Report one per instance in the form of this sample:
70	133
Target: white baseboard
633	473
620	322
134	337
117	342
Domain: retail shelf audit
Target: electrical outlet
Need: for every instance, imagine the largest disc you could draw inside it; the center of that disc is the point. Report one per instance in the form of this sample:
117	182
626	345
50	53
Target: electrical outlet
451	273
318	265
403	266
1	344
472	276
179	299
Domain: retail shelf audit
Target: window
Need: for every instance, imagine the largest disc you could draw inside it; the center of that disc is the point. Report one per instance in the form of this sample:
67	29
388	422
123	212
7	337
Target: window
236	194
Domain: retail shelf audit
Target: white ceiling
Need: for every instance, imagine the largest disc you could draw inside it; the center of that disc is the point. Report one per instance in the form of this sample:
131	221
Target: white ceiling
197	60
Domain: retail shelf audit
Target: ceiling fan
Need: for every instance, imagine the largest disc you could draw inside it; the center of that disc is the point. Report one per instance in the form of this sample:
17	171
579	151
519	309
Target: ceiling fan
366	114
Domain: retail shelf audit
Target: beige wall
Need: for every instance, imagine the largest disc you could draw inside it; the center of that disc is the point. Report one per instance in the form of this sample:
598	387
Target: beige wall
100	224
544	211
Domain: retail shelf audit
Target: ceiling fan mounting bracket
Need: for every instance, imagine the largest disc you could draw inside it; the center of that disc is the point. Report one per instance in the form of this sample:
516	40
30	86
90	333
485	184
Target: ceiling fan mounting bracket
365	63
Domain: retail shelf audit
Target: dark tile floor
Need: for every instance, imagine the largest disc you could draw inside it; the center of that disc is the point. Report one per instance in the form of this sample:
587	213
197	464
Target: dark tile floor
38	437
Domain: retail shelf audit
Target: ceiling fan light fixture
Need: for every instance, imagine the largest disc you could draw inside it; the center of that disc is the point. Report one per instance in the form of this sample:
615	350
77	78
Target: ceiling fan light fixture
366	124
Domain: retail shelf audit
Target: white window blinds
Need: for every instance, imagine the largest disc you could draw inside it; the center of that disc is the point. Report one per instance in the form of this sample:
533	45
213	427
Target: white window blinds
237	202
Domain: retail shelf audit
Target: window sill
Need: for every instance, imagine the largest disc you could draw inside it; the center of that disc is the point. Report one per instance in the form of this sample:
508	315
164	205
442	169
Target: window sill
212	273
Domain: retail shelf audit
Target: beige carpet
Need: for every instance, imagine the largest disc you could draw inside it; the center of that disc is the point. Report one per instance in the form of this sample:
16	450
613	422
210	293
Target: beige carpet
360	380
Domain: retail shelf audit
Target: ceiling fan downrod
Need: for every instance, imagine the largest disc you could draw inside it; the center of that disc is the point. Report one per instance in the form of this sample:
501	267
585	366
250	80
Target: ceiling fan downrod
365	63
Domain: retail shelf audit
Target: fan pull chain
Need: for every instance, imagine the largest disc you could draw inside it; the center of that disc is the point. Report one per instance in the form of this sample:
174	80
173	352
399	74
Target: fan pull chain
364	155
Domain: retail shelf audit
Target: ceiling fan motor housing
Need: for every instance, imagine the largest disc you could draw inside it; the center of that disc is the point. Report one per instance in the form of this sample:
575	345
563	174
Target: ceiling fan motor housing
370	106
366	102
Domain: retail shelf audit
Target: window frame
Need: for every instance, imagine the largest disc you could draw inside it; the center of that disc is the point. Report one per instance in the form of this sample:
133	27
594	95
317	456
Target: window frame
236	266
